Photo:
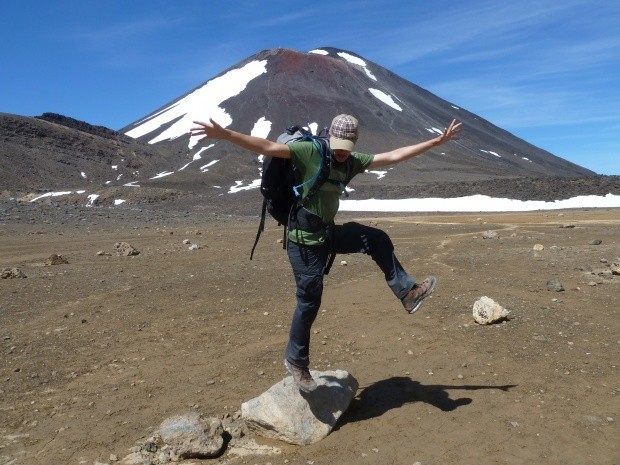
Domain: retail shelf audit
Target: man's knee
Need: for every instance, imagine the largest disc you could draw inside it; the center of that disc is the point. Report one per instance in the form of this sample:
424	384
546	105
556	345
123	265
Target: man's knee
310	288
380	236
376	241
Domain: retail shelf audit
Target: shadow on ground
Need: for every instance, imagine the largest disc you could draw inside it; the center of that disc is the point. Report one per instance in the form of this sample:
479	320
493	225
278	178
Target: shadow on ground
395	392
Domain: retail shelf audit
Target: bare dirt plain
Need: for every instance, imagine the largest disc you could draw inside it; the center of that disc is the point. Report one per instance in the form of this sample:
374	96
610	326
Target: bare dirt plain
97	352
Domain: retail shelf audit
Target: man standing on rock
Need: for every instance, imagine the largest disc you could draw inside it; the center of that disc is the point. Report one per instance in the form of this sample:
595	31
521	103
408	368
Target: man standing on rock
309	247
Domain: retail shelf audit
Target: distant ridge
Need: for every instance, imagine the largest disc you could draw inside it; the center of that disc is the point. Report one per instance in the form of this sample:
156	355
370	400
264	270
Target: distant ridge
83	126
39	155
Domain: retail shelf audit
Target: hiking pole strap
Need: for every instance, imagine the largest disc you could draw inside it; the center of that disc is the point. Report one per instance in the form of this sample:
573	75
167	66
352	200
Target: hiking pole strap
330	262
261	227
329	231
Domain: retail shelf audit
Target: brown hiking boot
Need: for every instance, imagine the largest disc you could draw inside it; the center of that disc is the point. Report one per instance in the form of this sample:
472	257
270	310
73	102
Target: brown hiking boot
418	293
302	377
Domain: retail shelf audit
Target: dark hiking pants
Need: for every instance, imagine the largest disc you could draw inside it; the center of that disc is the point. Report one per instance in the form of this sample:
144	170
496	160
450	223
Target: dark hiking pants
308	263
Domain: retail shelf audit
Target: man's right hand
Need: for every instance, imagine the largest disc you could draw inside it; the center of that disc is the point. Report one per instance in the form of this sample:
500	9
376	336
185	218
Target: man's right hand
212	130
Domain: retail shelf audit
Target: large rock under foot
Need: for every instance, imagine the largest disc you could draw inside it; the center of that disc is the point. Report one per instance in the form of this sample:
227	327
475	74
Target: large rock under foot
285	413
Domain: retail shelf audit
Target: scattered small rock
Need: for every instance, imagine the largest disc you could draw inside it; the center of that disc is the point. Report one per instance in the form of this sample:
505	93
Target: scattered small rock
343	263
555	285
135	458
56	259
186	241
12	273
567	226
539	247
125	249
103	253
249	447
194	247
585	268
489	235
595	242
192	436
591	419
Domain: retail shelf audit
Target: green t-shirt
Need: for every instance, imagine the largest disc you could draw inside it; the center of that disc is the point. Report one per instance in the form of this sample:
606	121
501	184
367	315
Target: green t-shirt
325	203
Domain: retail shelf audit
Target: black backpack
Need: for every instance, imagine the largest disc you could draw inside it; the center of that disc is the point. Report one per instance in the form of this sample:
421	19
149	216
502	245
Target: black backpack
280	181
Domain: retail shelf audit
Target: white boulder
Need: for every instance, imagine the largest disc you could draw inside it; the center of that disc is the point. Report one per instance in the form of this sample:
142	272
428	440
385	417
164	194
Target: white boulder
486	311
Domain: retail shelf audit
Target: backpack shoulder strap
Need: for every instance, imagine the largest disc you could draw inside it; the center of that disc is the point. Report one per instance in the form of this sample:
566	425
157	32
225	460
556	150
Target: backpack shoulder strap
319	178
347	177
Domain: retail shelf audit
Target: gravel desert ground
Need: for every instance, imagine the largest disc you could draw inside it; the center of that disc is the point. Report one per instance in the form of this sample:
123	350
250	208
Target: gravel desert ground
98	351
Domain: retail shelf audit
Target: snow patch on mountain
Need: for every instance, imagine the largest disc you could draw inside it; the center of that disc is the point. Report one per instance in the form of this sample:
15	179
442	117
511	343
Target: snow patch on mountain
198	155
205	168
91	199
478	203
379	174
204	100
357	61
261	128
239	186
495	154
163	174
385	98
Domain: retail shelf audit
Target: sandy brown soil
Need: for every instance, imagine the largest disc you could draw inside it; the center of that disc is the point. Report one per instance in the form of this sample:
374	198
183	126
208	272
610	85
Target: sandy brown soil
97	352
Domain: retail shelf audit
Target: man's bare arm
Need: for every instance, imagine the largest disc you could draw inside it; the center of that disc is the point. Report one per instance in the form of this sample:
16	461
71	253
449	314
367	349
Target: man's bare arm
212	130
405	153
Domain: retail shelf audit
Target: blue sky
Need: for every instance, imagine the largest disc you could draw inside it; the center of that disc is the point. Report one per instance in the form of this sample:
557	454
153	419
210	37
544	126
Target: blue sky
546	71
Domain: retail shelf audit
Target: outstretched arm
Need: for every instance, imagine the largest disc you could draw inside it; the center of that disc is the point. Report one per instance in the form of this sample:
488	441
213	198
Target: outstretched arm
266	147
405	153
